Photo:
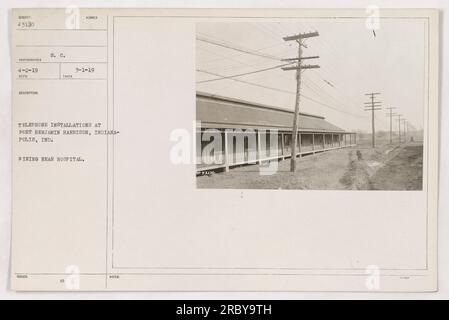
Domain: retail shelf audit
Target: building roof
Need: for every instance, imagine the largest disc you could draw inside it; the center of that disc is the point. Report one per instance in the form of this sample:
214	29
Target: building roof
222	112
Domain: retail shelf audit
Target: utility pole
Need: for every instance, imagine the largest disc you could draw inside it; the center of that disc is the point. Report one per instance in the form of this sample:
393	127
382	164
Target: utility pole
390	114
405	129
399	129
373	106
299	67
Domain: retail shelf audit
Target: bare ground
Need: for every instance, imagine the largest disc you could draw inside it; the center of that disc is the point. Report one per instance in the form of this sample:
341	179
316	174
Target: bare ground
360	168
403	172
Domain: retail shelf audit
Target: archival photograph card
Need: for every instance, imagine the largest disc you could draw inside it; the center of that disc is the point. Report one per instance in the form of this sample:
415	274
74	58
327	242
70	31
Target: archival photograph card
224	150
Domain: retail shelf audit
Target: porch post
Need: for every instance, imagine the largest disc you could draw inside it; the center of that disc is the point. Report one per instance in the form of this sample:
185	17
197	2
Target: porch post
313	142
258	148
282	145
226	147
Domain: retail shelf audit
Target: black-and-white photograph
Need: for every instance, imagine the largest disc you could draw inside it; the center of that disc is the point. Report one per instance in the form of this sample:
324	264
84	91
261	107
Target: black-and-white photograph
318	104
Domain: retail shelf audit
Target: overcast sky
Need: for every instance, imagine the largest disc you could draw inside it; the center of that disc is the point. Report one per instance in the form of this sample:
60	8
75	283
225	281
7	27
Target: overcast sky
353	62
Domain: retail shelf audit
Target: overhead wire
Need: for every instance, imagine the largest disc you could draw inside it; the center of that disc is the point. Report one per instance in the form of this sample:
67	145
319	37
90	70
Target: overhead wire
243	50
244	74
279	90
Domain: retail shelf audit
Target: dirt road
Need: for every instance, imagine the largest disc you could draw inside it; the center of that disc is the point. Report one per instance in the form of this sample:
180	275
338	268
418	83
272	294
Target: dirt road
403	172
360	168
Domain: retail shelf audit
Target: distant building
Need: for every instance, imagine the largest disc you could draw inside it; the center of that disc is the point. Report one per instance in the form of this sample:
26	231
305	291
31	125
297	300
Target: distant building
232	132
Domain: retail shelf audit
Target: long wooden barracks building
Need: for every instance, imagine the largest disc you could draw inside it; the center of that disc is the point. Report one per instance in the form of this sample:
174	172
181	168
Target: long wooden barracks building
243	132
